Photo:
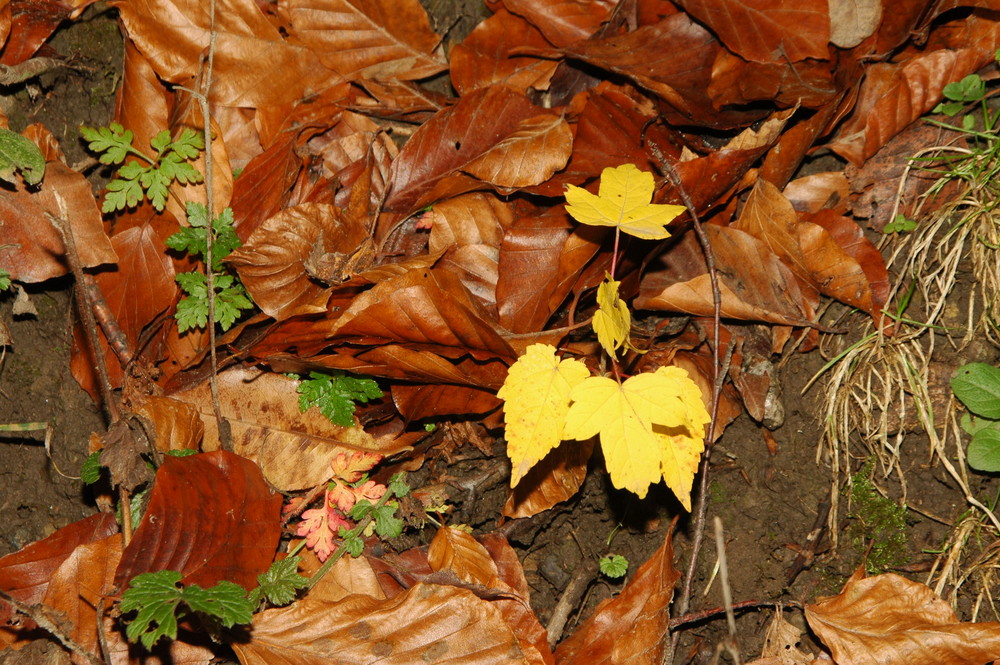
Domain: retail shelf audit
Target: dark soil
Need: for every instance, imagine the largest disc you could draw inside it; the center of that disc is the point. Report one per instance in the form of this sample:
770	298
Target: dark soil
768	502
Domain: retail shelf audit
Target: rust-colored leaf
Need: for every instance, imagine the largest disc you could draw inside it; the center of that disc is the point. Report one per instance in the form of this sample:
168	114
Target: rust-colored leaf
176	424
271	263
563	22
829	189
79	584
888	618
32	249
761	31
642	606
211	517
892	96
376	39
143	102
427	622
485	57
553	480
293	449
491	138
420	402
27	573
33	22
754	284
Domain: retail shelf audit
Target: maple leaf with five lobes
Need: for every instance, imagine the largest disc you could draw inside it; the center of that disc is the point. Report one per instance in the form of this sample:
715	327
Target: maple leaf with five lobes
612	321
652	426
536	400
320	526
623	200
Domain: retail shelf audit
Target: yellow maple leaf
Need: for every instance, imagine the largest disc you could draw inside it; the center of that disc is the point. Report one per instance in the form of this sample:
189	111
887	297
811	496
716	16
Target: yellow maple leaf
652	426
612	321
536	399
623	200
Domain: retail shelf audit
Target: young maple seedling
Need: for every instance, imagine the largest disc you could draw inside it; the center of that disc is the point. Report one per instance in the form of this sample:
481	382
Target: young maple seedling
651	425
336	395
144	177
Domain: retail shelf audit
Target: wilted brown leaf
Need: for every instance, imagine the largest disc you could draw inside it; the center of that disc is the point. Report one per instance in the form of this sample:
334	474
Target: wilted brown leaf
293	449
485	57
427	622
491	138
563	22
176	424
642	606
889	619
553	480
375	39
211	517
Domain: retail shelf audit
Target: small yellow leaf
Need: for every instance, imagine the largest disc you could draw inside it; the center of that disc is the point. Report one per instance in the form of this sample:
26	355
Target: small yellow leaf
652	426
612	321
536	399
623	200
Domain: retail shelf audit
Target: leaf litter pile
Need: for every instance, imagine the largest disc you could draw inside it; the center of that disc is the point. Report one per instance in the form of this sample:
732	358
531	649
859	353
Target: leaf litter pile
337	246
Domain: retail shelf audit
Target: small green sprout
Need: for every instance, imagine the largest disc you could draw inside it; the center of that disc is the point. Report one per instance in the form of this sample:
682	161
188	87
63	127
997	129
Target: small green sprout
335	395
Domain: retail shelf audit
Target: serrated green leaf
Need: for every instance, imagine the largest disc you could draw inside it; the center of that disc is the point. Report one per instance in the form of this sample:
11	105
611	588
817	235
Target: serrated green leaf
197	214
352	542
977	386
186	240
226	601
387	525
18	153
335	394
112	142
122	194
4	280
155	596
189	144
280	582
191	313
229	304
614	565
984	451
90	471
397	486
193	283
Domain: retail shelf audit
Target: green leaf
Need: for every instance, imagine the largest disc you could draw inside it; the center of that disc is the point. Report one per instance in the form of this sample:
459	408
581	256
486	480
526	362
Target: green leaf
192	312
352	542
279	583
90	472
950	109
193	283
4	280
984	451
977	386
114	141
155	596
229	303
397	486
18	153
614	565
335	394
122	194
972	88
387	525
226	601
900	225
161	141
189	144
187	452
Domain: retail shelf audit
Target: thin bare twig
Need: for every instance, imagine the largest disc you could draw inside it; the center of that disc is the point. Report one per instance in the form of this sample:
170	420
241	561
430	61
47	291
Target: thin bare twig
569	600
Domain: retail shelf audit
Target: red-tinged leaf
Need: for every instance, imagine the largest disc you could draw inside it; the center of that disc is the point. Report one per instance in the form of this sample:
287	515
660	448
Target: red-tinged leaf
642	606
491	138
211	517
293	449
174	34
811	193
32	249
376	39
263	187
38	134
271	262
143	102
736	81
26	574
485	57
760	31
176	424
851	240
33	22
426	622
889	619
426	307
563	22
419	402
507	562
786	155
553	480
647	56
894	95
754	284
905	19
80	583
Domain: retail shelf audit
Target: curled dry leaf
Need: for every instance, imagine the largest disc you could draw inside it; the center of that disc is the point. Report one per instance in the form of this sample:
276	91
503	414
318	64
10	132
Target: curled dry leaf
211	517
428	622
293	449
553	480
642	606
491	138
565	21
889	619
